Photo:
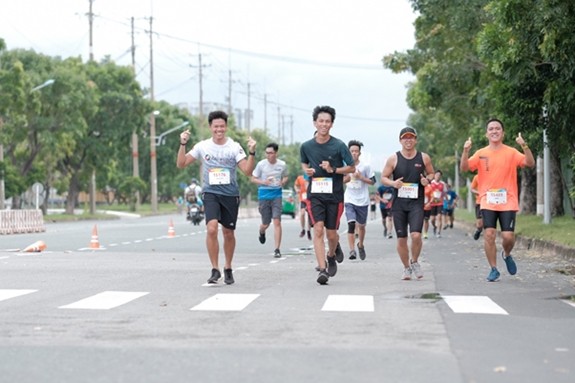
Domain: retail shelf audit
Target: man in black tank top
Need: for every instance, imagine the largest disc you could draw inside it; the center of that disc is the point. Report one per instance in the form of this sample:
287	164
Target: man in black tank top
408	171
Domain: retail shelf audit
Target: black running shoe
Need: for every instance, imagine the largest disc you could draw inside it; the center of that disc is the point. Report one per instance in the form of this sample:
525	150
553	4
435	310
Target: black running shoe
322	277
216	275
262	237
277	253
476	234
338	254
309	235
228	276
361	251
331	266
302	233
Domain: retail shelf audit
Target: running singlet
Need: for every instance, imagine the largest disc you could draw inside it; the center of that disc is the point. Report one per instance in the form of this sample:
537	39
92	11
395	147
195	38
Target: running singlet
497	177
219	163
411	194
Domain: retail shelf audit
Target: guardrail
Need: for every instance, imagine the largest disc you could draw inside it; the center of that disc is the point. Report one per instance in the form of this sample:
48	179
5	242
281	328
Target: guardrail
21	221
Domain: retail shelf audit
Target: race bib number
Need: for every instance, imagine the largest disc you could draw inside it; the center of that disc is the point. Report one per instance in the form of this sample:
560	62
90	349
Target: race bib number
219	176
408	191
303	196
387	196
274	181
322	185
497	196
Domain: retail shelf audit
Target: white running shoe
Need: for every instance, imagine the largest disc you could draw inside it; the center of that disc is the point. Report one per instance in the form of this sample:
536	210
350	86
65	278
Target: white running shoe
406	274
416	270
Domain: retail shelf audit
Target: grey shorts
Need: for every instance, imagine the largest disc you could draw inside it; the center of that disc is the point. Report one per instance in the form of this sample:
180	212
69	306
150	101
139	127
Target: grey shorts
355	213
270	209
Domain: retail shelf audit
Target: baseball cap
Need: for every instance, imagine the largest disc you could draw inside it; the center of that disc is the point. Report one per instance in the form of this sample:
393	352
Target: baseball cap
406	131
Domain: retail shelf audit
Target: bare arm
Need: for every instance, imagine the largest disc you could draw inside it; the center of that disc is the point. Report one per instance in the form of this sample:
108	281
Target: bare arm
184	159
464	162
529	160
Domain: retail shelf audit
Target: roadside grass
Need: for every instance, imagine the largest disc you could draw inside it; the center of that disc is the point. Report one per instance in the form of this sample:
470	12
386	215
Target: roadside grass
561	230
144	210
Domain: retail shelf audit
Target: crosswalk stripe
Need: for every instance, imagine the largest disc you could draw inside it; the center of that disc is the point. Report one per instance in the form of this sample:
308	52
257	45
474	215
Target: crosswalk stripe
13	293
569	302
356	303
105	300
473	304
226	302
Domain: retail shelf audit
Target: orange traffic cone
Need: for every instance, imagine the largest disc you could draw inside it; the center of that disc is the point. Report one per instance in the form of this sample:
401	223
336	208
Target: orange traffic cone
94	242
171	231
36	247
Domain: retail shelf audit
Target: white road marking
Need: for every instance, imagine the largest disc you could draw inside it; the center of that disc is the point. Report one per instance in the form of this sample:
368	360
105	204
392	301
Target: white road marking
569	302
13	293
356	303
105	300
473	304
226	302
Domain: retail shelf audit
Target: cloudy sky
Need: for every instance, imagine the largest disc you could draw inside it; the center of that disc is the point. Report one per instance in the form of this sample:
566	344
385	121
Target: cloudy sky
289	56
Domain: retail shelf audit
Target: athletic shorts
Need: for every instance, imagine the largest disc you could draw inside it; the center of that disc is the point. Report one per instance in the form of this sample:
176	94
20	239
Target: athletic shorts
478	211
327	212
354	213
270	209
447	212
303	204
223	208
506	219
385	213
426	214
404	218
436	210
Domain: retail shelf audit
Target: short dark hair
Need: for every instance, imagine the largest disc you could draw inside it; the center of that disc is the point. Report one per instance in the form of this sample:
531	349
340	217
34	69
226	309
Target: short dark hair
216	115
324	109
273	145
355	143
496	120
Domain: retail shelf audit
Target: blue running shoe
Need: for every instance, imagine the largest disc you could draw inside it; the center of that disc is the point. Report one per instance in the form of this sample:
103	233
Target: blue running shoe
493	275
510	263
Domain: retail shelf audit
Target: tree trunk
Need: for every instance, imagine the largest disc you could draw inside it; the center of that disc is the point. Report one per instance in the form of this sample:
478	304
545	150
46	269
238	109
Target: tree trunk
528	192
557	209
73	192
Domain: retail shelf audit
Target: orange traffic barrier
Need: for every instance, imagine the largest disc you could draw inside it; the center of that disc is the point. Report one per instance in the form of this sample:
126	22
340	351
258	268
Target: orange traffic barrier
171	231
94	242
36	247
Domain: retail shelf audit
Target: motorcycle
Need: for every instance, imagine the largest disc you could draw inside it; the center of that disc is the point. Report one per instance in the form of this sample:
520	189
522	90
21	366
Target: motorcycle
195	214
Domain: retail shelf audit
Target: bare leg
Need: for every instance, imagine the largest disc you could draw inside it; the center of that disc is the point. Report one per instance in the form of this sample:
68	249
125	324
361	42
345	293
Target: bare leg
332	240
229	246
212	243
403	251
361	230
318	245
508	241
277	232
416	245
490	247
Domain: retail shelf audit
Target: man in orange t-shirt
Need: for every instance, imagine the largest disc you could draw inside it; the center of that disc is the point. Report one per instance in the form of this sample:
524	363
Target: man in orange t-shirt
300	186
496	166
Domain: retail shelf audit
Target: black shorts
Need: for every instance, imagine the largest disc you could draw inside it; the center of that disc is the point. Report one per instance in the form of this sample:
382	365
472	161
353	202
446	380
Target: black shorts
426	214
506	219
478	211
385	213
436	210
223	208
327	212
404	218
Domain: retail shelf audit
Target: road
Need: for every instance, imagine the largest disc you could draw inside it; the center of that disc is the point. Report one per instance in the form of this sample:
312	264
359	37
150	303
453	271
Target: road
138	310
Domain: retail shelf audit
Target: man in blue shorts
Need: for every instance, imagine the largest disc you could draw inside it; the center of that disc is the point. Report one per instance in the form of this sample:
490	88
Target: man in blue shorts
325	160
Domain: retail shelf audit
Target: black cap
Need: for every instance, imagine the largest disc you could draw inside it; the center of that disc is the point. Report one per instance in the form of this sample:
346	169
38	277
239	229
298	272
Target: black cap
407	130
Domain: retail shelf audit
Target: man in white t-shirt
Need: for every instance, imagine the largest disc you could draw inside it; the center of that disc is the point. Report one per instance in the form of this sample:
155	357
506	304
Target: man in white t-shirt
356	200
220	156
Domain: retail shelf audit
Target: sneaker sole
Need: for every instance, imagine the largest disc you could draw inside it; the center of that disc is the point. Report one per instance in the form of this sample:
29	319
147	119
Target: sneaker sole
322	279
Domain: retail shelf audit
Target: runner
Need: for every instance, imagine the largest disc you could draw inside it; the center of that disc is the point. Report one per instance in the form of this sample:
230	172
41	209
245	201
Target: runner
300	185
385	197
324	159
478	218
449	205
220	156
409	169
496	166
437	197
357	200
270	175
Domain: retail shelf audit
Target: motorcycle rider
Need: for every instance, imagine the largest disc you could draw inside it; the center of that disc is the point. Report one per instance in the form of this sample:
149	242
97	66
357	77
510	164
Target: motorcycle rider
193	195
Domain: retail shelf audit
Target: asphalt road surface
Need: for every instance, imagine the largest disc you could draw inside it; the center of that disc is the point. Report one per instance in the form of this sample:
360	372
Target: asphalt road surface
138	309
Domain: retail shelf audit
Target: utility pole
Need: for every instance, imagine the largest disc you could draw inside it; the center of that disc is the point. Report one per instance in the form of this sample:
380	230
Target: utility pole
249	111
92	192
283	140
229	92
291	129
135	154
153	163
266	113
279	124
200	80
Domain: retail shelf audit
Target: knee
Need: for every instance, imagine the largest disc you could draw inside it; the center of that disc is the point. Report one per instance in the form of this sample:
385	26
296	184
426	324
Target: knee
351	227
